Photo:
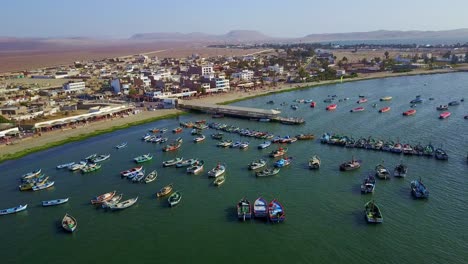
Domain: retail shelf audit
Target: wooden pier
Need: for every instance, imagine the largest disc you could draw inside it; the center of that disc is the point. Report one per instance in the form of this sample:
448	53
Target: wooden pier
239	111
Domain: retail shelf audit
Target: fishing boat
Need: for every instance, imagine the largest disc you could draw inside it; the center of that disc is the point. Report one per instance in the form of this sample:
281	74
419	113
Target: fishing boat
69	223
278	152
270	102
137	177
217	135
91	167
409	112
314	162
31	174
100	158
121	145
453	103
257	164
196	168
217	171
65	165
164	191
276	212
418	189
225	143
382	172
313	104
362	100
143	158
177	130
43	186
129	172
350	165
199	139
407	149
384	109
357	109
186	163
244	145
416	101
54	202
368	185
103	198
236	144
13	210
400	170
264	145
163	130
260	208
283	162
175	198
78	166
244	210
90	157
305	136
442	107
373	214
112	201
123	205
331	107
267	172
150	177
171	147
219	180
42	179
444	115
172	162
386	98
440	154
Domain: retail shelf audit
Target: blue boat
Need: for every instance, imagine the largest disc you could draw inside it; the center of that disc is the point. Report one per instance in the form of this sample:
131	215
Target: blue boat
276	212
417	100
260	208
440	154
418	189
54	202
283	162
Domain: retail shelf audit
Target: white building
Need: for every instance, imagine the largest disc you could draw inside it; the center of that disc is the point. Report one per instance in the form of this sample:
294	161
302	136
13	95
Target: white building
245	75
161	75
276	68
340	73
74	87
207	72
222	83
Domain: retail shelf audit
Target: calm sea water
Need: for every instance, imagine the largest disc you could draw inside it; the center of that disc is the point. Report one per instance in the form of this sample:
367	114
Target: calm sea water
325	221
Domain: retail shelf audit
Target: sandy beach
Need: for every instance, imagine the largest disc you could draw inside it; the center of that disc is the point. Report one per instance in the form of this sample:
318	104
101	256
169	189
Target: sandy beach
37	143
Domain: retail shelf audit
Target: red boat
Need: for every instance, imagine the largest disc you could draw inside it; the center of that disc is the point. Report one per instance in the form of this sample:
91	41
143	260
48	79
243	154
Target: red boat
131	171
444	115
331	107
312	104
362	100
385	109
103	198
177	130
171	147
203	121
409	112
357	109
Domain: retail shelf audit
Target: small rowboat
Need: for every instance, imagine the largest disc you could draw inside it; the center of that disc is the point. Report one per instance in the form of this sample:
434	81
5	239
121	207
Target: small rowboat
43	186
357	109
257	164
386	98
177	130
69	223
199	139
31	174
143	158
331	107
267	172
312	104
409	112
172	162
362	100
219	180
196	168
123	205
112	201
121	145
260	208
100	158
164	191
350	165
276	212
264	145
131	171
217	171
13	210
384	109
91	167
373	214
54	202
444	115
103	198
314	162
186	163
151	176
65	165
279	152
174	199
244	210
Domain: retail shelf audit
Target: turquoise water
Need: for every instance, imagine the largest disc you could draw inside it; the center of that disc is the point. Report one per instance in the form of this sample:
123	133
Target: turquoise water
324	209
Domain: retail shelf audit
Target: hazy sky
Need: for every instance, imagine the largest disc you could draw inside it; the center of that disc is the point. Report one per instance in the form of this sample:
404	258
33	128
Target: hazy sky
287	18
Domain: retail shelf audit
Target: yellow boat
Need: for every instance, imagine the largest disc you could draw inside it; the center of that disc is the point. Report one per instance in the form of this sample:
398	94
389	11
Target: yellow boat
29	185
386	98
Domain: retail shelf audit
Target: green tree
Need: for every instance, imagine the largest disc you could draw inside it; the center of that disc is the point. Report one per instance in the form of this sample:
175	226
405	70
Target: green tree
4	120
454	59
303	73
466	57
364	61
132	91
377	59
386	55
344	59
447	54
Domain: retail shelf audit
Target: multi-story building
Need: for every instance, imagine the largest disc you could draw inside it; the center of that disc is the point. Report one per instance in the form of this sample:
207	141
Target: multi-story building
276	68
74	87
245	75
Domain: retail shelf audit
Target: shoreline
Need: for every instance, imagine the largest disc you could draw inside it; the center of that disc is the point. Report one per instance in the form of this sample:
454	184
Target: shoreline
58	138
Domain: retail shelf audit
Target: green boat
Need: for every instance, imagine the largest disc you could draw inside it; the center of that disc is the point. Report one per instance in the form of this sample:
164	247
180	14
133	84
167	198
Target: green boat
143	158
373	214
175	198
91	167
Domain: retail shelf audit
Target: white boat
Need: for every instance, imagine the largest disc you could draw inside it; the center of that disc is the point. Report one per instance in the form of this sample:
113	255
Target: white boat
236	144
124	204
43	186
54	202
12	210
172	162
112	201
139	176
130	172
151	177
121	145
92	156
78	166
217	171
65	165
196	168
264	145
185	163
219	180
199	139
101	158
257	164
244	145
31	174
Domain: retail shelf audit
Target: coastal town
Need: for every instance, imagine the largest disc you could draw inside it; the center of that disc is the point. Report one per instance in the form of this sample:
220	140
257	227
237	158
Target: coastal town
38	101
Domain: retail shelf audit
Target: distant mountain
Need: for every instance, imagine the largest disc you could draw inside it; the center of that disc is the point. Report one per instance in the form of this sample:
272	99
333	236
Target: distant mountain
389	35
231	36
